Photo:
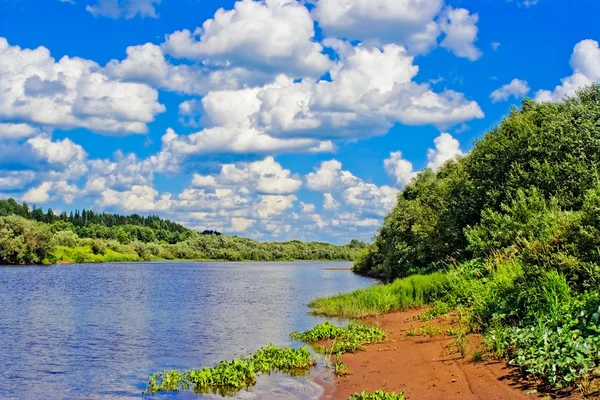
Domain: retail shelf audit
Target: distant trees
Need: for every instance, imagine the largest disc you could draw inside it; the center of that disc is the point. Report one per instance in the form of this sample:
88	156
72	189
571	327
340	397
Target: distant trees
90	237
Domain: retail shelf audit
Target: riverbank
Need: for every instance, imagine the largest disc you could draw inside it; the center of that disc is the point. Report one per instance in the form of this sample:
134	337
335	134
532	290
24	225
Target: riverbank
423	360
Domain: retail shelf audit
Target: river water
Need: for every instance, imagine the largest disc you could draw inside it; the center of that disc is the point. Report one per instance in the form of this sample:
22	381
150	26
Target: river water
98	330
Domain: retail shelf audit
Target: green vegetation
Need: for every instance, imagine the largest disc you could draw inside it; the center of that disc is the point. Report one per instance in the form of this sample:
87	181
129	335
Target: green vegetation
378	395
29	237
402	294
511	232
228	377
349	339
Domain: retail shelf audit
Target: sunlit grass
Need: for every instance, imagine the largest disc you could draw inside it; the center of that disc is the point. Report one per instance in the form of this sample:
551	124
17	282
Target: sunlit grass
400	295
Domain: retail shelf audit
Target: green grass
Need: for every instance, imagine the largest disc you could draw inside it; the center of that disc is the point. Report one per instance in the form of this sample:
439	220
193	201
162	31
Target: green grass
378	395
400	295
228	377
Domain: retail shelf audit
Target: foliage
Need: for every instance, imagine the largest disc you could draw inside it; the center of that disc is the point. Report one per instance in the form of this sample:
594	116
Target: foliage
540	162
23	241
326	330
228	377
378	395
115	238
515	226
402	294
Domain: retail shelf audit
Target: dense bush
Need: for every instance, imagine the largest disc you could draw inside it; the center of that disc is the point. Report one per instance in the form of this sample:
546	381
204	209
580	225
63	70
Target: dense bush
23	241
519	183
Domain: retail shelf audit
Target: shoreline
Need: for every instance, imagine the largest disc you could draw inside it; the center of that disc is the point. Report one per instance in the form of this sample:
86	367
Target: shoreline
421	360
64	262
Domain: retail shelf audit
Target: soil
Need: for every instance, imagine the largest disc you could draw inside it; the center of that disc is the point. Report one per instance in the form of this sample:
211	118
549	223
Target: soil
428	367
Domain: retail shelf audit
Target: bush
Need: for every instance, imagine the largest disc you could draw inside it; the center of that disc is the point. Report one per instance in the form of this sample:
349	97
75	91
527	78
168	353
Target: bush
23	241
98	247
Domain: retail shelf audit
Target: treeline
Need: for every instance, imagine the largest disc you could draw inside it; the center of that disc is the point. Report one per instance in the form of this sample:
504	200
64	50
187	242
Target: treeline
88	224
515	225
24	240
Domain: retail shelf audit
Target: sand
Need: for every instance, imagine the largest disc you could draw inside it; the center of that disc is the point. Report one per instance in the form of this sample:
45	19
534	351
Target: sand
428	367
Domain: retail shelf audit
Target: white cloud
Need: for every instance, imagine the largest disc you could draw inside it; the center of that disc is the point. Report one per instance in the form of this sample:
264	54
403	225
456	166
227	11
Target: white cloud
406	22
329	202
47	191
585	62
495	46
71	93
147	64
139	198
399	169
446	148
266	176
12	180
60	152
461	31
270	205
10	131
123	8
271	35
517	88
307	207
359	195
241	224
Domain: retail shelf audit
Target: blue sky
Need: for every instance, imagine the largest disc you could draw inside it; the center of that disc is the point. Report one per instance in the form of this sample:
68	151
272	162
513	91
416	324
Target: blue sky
274	119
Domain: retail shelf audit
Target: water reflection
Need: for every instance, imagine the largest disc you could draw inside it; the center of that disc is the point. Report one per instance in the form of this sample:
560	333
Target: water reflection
97	331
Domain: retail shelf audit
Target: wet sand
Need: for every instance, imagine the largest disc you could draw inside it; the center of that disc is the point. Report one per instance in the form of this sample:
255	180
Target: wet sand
427	367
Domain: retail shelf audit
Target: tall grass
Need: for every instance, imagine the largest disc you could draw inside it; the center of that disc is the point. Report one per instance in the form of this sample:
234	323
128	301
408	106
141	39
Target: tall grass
402	294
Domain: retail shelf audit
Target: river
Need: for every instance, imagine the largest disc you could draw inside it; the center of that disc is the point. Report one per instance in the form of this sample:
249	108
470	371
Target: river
98	330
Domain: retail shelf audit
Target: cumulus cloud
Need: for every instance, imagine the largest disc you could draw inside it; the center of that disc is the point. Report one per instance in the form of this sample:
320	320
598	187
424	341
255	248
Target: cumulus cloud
123	8
352	191
446	148
406	22
18	131
585	62
71	93
399	169
461	30
266	176
147	64
47	191
272	35
13	180
517	88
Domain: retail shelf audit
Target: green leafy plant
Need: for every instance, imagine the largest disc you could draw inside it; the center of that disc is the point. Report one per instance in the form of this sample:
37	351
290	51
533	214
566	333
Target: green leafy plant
378	395
228	377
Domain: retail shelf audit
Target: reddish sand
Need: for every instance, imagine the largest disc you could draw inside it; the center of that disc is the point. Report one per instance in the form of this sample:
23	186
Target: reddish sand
426	368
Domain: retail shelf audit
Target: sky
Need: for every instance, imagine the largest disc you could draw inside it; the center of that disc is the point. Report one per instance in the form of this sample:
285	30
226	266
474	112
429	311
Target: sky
271	119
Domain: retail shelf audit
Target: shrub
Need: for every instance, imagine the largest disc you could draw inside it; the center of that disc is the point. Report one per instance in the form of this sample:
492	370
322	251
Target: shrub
23	241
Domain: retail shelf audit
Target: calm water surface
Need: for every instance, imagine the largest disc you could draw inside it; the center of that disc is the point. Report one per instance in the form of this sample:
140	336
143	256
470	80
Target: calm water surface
97	331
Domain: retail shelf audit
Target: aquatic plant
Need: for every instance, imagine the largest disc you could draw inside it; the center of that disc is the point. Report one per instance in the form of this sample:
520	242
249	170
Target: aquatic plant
228	377
348	339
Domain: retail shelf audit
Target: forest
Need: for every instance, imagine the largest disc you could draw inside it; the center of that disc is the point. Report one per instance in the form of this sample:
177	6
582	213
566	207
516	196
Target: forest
32	236
509	233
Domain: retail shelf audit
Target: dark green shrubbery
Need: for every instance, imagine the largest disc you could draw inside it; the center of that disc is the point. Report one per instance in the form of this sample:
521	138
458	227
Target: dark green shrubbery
515	227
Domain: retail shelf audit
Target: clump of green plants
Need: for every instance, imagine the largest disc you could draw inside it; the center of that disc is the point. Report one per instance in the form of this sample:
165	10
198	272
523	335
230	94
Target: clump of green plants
378	395
439	309
363	333
339	368
348	339
430	330
402	294
228	377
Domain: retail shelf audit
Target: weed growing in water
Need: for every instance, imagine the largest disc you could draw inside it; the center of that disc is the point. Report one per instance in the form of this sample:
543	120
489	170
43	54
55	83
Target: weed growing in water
228	377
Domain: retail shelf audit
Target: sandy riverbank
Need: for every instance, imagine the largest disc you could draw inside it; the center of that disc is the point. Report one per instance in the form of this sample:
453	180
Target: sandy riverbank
427	367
